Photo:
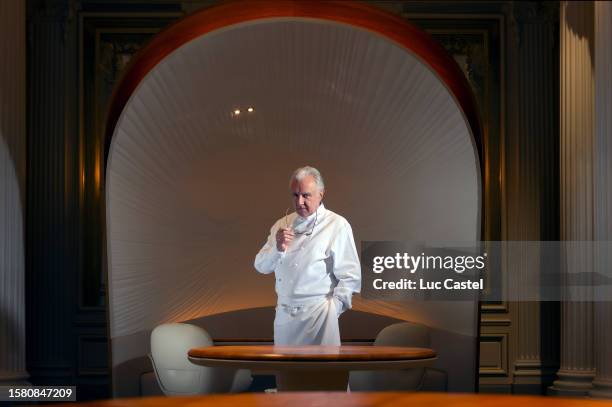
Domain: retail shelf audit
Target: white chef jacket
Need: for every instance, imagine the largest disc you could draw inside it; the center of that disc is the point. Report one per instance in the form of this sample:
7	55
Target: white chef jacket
322	267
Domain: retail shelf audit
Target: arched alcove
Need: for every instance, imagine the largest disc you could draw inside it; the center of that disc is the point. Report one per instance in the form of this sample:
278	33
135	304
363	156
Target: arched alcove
193	187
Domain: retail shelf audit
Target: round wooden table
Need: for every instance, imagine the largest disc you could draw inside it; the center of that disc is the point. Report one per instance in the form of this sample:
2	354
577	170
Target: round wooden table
312	367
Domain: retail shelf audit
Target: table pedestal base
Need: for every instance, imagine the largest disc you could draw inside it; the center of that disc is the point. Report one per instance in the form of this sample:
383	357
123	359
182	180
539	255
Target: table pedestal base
309	380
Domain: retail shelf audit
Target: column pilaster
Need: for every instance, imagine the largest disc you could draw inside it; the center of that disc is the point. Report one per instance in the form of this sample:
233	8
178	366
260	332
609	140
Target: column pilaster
533	193
577	116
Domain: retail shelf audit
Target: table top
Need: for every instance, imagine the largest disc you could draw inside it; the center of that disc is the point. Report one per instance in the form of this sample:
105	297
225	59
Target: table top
356	399
353	353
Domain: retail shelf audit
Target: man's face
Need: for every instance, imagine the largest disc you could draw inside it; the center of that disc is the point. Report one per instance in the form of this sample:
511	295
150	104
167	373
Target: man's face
306	196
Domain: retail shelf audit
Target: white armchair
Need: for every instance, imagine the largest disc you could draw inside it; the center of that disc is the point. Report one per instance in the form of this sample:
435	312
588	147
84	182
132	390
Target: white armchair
423	379
177	376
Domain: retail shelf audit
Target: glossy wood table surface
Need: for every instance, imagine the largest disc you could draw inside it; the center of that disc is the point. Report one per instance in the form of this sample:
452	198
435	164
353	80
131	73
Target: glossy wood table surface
313	353
314	368
357	399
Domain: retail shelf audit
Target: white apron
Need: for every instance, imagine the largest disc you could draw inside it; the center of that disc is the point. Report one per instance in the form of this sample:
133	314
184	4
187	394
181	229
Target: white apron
314	323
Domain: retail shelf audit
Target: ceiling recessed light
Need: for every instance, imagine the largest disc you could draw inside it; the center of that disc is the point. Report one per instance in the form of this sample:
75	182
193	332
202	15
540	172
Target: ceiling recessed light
237	111
250	110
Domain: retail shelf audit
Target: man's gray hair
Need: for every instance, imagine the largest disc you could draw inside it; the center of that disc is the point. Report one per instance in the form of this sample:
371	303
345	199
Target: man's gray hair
303	172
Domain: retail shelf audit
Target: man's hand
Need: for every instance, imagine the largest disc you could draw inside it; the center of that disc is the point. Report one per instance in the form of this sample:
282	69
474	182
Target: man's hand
283	237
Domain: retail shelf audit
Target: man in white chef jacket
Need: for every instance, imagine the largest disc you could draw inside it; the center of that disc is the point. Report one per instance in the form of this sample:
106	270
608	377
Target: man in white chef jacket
313	256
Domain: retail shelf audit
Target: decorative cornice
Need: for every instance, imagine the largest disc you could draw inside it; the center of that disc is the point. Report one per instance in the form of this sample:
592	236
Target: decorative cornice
58	13
48	10
542	13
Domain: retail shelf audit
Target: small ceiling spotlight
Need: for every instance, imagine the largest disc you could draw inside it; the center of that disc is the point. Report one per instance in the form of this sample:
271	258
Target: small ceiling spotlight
250	110
236	112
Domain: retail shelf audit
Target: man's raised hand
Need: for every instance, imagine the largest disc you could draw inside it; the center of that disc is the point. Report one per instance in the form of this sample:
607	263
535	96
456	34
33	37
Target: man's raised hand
284	236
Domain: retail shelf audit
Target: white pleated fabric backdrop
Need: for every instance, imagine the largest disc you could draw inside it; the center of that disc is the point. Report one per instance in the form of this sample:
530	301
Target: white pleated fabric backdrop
192	188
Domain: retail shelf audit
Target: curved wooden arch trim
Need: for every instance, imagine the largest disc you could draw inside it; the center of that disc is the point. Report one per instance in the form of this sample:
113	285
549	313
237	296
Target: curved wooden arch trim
351	13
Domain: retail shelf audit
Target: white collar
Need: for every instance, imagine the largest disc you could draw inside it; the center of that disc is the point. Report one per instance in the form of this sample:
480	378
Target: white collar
301	225
318	214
